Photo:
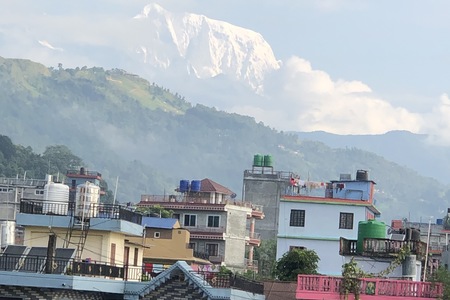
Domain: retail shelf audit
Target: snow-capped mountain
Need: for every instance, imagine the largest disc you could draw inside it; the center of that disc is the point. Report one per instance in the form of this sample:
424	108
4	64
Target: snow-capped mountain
205	48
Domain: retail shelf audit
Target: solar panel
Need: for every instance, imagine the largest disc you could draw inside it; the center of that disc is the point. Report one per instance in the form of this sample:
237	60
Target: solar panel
10	257
62	258
34	261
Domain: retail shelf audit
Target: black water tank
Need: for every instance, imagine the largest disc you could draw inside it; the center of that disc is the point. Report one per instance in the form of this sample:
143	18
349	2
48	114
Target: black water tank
362	175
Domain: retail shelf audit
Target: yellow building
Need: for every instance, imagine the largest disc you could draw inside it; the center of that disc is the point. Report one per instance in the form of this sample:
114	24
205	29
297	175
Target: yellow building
166	242
103	239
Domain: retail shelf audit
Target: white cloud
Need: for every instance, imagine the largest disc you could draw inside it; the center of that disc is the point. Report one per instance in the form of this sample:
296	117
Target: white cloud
303	99
437	123
48	45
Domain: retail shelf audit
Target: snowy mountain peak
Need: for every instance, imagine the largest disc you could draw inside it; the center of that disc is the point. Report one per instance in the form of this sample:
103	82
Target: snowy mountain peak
203	47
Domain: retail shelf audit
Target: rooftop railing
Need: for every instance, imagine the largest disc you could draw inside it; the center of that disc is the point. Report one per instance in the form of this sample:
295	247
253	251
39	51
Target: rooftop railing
65	266
84	173
173	201
223	280
381	247
383	288
87	211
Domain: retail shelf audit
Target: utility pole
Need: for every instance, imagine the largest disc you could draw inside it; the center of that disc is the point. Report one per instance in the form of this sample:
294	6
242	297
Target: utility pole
426	252
51	251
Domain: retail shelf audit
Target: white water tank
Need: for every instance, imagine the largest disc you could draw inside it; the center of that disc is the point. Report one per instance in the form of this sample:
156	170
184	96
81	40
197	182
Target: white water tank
87	200
8	232
56	199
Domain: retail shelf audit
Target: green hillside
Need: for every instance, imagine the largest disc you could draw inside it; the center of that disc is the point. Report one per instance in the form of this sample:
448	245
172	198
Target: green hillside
150	137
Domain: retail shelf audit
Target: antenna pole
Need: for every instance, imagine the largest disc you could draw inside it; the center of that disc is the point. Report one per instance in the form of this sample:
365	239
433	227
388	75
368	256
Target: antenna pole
115	190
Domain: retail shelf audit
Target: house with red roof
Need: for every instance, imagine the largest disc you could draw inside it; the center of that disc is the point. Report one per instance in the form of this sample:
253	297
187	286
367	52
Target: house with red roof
217	222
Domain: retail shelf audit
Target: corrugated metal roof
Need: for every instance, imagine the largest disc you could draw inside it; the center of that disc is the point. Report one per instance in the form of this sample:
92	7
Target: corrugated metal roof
165	223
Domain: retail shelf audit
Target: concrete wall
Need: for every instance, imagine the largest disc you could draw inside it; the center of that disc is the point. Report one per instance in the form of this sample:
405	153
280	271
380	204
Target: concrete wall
97	246
321	220
357	190
328	251
265	190
235	236
321	232
162	249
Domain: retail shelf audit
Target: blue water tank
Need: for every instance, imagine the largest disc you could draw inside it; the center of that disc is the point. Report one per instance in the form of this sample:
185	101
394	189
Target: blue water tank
439	221
196	185
184	186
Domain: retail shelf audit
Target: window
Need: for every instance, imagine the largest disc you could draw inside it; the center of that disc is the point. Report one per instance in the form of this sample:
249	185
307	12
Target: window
191	246
297	218
212	249
213	221
157	235
190	220
39	192
346	221
112	259
126	255
296	247
176	216
136	256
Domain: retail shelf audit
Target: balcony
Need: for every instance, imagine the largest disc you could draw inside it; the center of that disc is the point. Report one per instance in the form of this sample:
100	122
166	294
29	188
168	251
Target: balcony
310	287
205	232
381	247
102	211
251	265
253	238
215	259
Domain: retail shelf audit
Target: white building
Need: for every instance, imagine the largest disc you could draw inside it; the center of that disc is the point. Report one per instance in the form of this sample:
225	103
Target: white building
318	223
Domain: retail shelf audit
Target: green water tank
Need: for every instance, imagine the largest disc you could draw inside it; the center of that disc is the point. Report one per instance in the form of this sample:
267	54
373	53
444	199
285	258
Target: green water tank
369	229
258	160
268	161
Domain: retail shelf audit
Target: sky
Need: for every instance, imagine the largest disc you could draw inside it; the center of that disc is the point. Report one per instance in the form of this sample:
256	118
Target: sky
348	67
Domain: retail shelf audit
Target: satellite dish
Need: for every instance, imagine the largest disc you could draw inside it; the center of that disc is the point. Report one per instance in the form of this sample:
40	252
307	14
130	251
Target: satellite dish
233	196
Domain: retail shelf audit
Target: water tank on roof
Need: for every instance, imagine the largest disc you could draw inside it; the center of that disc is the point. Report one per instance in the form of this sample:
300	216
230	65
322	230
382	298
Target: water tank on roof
258	160
8	233
439	221
87	200
56	199
196	185
268	161
362	175
369	229
184	186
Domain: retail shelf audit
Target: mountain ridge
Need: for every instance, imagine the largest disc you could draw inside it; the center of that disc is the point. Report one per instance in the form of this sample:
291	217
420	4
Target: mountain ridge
154	139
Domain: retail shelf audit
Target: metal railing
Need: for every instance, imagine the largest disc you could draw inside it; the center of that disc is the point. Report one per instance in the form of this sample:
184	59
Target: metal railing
194	202
65	266
206	229
380	247
254	235
224	280
84	173
103	211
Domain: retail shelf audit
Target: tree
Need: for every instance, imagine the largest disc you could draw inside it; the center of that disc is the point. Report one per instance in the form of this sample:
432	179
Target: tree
266	254
296	261
155	211
61	159
442	276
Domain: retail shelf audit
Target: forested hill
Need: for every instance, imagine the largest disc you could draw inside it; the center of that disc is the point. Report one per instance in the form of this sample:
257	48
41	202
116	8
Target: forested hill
150	137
